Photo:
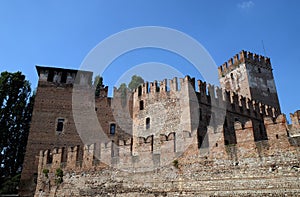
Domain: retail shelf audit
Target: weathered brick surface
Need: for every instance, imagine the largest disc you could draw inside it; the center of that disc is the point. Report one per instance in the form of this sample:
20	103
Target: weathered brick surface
172	138
250	75
55	99
274	174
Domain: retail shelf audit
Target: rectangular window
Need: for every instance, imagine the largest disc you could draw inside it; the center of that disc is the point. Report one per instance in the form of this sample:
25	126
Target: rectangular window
112	128
141	105
147	123
60	125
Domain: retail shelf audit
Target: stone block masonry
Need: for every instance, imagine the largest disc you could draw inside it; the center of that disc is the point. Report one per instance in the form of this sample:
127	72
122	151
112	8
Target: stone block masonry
178	137
272	169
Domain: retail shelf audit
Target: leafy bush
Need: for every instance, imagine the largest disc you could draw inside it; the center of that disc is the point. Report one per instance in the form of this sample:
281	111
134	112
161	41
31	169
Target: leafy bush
59	176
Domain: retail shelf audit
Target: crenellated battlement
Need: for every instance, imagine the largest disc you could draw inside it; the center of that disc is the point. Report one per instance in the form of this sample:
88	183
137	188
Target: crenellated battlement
63	77
119	155
164	86
294	127
209	99
216	96
167	124
160	151
206	93
244	57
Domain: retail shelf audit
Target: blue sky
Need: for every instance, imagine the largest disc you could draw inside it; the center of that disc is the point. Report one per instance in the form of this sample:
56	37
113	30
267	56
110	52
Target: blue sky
61	33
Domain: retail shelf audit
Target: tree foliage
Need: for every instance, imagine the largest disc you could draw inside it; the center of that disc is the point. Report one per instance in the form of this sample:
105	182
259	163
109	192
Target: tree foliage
123	88
16	104
135	82
98	84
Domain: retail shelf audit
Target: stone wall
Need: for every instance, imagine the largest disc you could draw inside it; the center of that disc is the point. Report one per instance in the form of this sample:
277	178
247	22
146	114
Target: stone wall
148	128
262	168
250	75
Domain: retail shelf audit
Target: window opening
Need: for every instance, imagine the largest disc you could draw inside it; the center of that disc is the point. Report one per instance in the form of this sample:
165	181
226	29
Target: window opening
112	128
147	123
60	125
141	105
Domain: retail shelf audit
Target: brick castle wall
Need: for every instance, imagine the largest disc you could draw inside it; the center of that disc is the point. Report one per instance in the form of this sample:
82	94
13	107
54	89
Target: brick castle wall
154	125
260	168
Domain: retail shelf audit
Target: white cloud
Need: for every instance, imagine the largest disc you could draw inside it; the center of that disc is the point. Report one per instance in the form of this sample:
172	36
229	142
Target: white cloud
246	5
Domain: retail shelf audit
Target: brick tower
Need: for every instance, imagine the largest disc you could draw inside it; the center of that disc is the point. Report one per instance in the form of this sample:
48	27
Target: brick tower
52	119
250	75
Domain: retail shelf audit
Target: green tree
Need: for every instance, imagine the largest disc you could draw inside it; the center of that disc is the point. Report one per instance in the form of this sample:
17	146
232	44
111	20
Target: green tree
123	89
135	82
16	104
98	84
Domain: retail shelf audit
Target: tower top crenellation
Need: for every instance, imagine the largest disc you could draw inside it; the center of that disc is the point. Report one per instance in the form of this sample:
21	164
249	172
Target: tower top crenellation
244	57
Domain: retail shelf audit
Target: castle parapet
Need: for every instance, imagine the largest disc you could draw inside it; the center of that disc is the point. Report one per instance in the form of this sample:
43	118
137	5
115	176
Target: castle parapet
244	57
120	156
164	86
60	76
206	94
231	101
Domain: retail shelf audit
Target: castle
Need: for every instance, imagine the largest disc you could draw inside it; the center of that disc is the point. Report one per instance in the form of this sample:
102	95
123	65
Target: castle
168	138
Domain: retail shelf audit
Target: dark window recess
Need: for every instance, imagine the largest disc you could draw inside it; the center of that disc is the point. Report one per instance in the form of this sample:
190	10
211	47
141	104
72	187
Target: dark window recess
60	125
225	123
147	123
231	75
64	77
50	76
226	142
259	71
140	91
112	129
141	105
261	129
200	140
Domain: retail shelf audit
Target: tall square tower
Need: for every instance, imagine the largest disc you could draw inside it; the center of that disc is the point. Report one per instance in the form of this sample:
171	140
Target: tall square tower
250	75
